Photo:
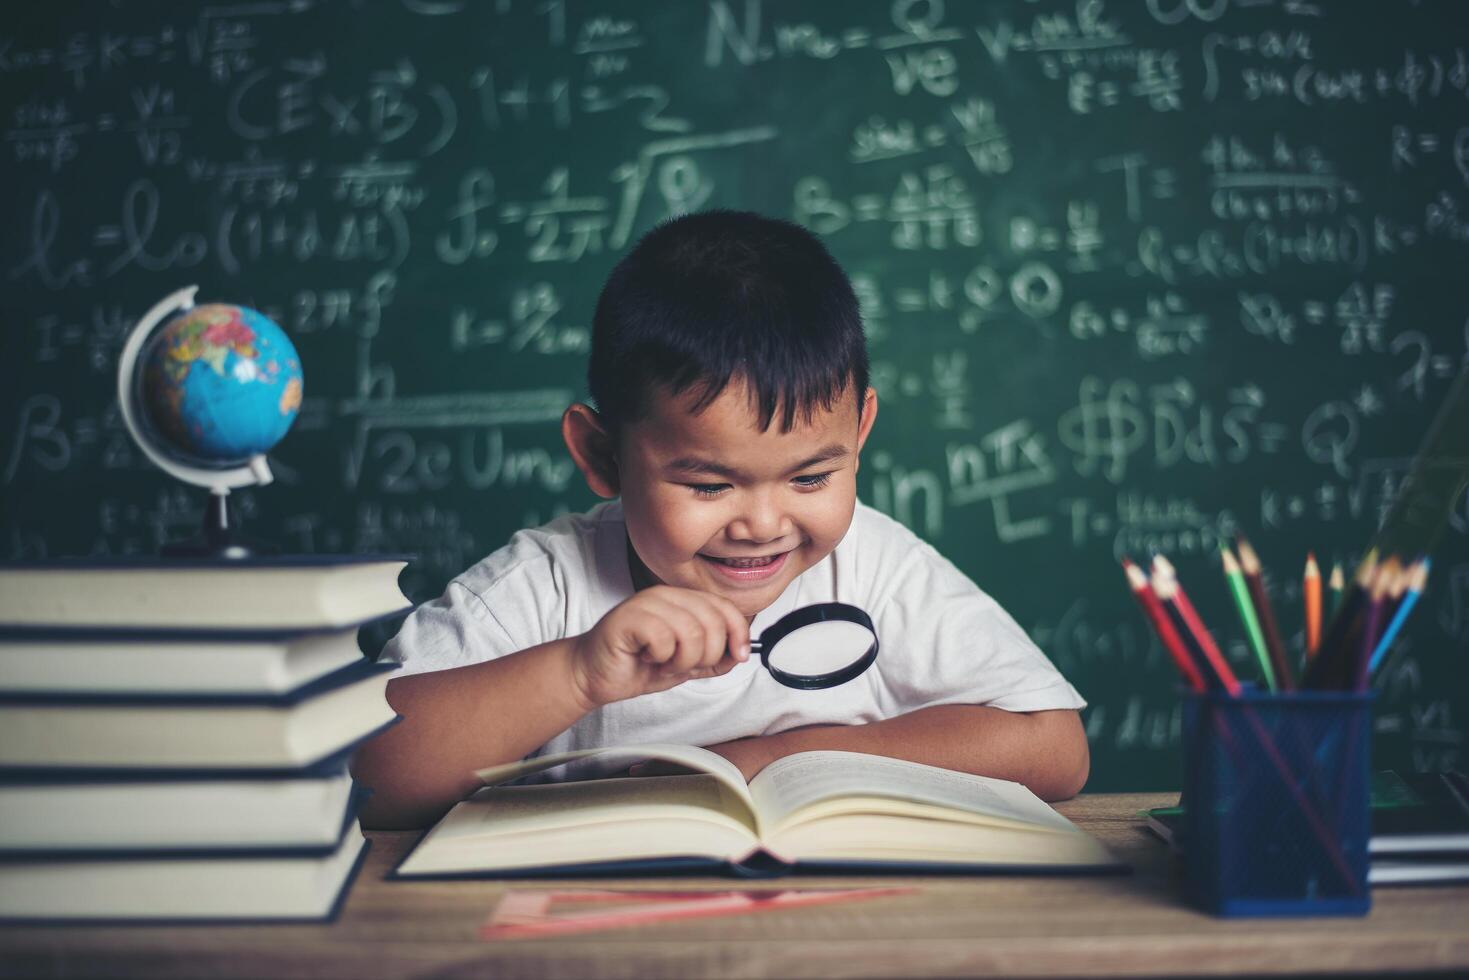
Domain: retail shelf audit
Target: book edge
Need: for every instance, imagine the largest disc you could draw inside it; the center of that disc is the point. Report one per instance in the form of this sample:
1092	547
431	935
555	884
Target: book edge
333	911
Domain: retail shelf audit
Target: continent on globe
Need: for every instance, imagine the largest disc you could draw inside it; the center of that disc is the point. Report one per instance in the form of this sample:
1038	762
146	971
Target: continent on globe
221	383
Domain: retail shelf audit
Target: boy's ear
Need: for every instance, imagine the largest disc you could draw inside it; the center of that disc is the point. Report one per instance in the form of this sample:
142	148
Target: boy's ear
864	427
592	449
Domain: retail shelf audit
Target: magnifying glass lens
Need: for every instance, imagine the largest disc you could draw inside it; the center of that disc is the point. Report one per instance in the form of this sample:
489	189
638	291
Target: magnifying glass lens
818	646
821	648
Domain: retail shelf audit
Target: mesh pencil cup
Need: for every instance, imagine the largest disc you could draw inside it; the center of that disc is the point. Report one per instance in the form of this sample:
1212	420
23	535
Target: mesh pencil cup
1276	813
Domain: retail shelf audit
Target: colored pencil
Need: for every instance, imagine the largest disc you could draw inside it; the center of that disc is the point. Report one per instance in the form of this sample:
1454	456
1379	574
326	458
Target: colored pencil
1241	594
1337	584
1172	642
1327	670
1170	593
1311	590
1344	634
1371	633
1396	589
1196	653
1417	582
1249	563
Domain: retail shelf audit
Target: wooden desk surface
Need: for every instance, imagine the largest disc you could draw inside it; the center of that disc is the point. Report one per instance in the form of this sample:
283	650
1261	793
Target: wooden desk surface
1133	926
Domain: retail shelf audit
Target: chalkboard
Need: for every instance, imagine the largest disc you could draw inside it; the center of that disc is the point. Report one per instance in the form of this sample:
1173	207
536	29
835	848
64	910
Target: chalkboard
1136	276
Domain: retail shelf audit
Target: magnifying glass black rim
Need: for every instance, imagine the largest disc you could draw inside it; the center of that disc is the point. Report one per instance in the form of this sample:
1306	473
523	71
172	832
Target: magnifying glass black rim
821	612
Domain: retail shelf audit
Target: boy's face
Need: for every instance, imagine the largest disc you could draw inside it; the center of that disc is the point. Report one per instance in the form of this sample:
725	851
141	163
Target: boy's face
713	502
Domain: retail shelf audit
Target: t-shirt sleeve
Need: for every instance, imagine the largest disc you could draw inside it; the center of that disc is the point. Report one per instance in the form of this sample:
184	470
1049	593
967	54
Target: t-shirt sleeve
454	630
945	641
505	604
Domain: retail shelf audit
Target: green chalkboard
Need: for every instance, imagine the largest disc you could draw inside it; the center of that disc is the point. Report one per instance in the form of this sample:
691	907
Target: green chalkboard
1136	276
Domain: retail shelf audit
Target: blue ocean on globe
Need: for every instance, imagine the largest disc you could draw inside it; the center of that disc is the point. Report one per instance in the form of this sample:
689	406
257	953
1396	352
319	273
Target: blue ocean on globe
221	384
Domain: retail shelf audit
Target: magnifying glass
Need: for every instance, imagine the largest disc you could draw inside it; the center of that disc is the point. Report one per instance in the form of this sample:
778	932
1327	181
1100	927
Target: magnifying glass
818	646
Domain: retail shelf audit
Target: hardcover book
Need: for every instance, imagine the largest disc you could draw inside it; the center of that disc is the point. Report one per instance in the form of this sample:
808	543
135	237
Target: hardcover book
281	592
89	731
813	811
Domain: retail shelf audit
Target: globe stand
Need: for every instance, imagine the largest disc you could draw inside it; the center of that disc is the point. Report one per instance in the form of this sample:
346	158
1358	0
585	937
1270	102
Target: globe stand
217	536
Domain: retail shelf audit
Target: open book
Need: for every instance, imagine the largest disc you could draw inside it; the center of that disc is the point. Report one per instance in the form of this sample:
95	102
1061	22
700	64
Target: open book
812	811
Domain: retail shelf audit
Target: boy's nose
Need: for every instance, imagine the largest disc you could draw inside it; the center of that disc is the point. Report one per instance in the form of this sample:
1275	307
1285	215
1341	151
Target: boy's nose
759	521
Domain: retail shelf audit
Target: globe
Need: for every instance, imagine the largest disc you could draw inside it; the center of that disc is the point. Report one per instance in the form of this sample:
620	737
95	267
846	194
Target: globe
206	391
219	384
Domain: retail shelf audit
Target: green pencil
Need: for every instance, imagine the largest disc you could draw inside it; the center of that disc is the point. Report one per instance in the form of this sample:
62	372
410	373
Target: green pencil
1337	584
1241	592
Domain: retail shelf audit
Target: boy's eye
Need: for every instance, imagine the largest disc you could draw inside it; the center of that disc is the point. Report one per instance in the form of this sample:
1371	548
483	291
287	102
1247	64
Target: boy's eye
708	489
813	481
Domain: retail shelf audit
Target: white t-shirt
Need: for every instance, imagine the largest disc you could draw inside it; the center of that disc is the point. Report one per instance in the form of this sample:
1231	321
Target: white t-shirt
942	640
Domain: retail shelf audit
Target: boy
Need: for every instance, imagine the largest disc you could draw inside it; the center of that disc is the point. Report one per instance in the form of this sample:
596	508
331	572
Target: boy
729	373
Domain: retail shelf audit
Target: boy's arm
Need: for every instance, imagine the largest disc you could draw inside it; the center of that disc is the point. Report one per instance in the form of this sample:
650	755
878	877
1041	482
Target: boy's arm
462	719
1045	750
466	718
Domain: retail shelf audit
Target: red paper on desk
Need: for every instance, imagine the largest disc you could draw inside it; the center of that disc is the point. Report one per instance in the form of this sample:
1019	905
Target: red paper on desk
531	913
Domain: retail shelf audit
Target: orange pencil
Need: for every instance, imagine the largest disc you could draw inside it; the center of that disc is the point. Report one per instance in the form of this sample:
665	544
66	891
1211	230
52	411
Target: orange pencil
1311	588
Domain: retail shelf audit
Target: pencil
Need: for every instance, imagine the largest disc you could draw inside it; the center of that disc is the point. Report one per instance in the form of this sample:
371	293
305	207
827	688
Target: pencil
1326	669
1396	589
1240	591
1417	582
1170	593
1185	635
1381	580
1172	642
1337	584
1249	563
1311	589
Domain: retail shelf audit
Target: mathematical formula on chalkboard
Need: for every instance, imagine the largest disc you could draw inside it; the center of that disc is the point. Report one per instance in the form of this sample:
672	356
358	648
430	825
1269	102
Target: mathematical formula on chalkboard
1136	276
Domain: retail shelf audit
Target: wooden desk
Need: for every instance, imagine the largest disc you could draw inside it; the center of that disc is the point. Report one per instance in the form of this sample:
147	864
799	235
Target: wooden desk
1131	926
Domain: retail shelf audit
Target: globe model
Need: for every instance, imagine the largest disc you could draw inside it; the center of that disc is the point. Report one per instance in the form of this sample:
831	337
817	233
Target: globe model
219	384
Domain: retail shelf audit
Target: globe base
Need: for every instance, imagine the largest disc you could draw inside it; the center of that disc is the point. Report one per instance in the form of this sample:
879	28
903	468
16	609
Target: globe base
219	536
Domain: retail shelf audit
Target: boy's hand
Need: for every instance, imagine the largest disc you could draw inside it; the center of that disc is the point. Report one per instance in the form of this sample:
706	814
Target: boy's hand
658	639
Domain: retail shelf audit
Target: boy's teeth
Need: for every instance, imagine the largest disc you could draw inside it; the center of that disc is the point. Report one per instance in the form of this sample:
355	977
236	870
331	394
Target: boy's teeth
747	562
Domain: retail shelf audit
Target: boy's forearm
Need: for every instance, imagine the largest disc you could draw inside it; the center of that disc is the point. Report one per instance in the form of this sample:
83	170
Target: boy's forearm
1045	750
459	720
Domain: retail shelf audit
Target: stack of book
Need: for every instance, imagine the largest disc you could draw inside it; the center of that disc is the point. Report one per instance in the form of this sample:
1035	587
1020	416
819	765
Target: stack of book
175	737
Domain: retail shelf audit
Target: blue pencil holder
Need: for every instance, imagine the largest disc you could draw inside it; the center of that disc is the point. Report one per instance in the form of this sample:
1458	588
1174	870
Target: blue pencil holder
1276	819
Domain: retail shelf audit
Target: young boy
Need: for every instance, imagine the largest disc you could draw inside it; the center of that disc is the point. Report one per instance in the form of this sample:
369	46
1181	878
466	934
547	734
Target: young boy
729	374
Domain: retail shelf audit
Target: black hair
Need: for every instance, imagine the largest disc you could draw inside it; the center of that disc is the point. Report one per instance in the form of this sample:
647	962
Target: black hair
708	297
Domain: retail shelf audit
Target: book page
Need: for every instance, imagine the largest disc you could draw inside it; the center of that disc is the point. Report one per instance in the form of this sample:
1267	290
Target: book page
549	806
863	836
808	778
506	827
621	756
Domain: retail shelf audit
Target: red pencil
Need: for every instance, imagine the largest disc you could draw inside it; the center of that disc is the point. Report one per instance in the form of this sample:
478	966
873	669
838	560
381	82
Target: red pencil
1156	614
1165	584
